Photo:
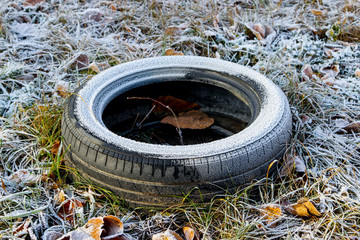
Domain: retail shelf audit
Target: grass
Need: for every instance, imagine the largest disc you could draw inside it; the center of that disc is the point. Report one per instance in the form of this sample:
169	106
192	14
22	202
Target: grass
38	55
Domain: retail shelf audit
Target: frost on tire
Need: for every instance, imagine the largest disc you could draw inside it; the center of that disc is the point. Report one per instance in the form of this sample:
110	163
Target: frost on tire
147	174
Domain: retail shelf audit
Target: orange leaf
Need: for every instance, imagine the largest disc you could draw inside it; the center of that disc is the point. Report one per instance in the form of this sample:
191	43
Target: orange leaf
176	104
303	208
172	52
62	90
317	12
190	233
167	235
112	7
193	119
271	213
68	209
55	148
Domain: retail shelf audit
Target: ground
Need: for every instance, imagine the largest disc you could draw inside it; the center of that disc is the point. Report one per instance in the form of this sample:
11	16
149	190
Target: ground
311	49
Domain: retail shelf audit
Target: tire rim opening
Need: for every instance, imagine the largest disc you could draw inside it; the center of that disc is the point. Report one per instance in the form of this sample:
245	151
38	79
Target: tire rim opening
134	115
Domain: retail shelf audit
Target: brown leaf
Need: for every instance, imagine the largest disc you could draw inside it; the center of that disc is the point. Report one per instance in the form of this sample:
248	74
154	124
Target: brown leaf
303	208
353	127
3	185
271	213
307	72
193	119
112	7
190	233
176	104
262	32
172	52
292	162
55	148
94	67
167	235
24	176
32	2
172	31
100	228
113	227
22	228
68	209
82	61
62	90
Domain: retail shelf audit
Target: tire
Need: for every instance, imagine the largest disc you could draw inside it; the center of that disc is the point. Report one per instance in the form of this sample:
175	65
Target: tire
158	175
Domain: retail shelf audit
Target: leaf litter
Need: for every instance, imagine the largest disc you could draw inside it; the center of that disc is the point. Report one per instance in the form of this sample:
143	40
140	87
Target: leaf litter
40	45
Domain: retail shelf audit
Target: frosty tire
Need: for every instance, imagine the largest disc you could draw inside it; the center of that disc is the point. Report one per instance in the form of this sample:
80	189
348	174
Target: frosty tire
158	175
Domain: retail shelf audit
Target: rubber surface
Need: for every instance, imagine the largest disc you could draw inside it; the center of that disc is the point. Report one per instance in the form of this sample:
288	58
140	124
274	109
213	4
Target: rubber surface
156	179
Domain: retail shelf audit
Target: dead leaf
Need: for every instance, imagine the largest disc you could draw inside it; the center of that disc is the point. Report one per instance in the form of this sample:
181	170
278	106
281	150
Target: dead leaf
55	148
68	209
193	119
172	31
100	228
167	235
24	176
172	52
94	67
82	61
32	2
93	15
292	162
112	7
271	213
353	127
190	233
62	90
357	72
307	72
330	71
3	185
176	104
59	197
303	208
318	12
263	32
113	227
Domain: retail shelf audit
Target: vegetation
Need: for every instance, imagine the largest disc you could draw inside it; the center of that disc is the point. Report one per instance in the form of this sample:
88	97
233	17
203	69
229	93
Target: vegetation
309	48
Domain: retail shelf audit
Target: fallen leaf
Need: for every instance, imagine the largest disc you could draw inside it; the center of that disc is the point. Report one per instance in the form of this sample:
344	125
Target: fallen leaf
330	71
190	233
55	148
353	127
307	72
93	15
317	12
62	89
24	176
357	72
22	228
303	208
59	197
173	31
290	163
100	228
3	185
176	104
112	7
82	61
167	235
94	67
271	213
262	32
68	209
193	119
32	2
172	52
113	227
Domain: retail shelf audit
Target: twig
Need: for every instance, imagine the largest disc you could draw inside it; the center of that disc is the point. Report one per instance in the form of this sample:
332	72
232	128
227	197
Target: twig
178	129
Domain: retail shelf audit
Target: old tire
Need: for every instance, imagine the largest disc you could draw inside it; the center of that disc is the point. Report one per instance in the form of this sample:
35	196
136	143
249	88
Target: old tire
157	175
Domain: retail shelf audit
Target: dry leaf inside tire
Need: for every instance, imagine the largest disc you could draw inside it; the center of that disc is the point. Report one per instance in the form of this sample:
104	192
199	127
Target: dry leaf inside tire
176	104
193	119
303	208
